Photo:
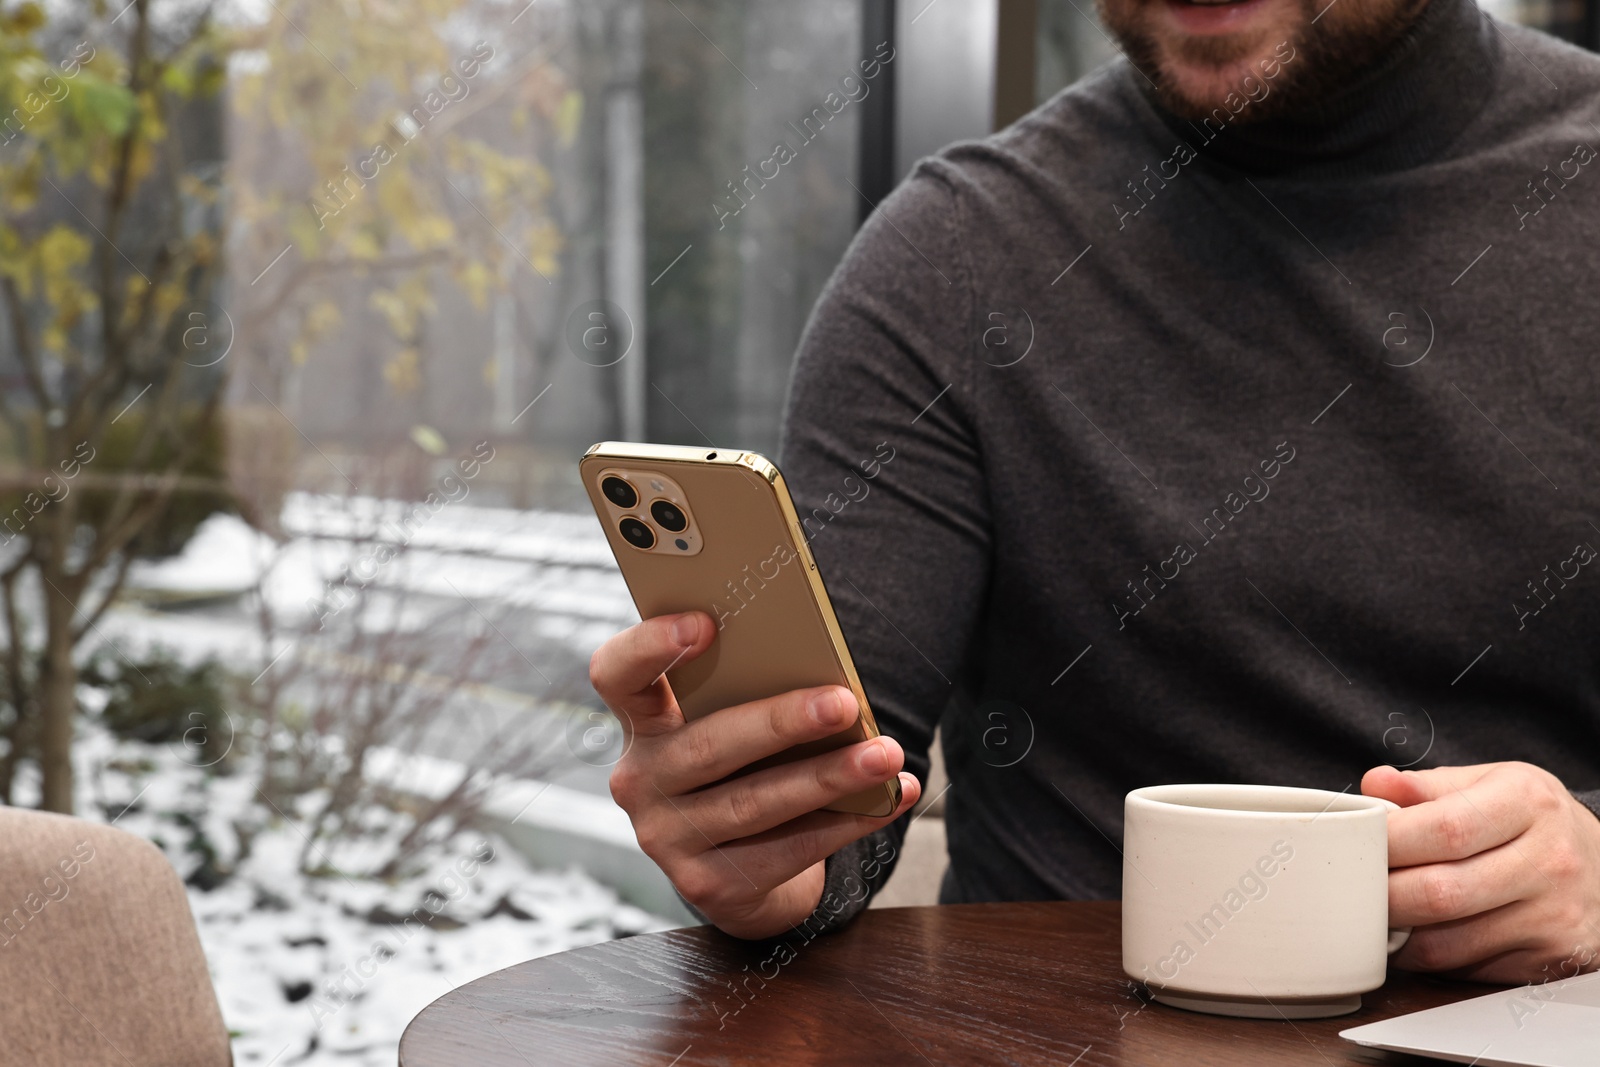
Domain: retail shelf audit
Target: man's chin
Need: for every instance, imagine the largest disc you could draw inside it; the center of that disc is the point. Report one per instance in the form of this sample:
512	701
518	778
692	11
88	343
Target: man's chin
1195	75
1201	57
1193	91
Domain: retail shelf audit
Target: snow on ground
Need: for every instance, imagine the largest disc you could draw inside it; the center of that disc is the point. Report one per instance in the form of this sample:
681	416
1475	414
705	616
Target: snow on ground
556	560
544	580
329	970
551	565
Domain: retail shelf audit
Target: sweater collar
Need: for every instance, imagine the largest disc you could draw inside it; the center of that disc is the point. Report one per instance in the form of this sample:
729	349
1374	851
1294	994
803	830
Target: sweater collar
1402	110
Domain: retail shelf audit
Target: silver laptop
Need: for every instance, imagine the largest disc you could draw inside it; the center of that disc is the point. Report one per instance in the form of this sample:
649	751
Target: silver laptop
1552	1024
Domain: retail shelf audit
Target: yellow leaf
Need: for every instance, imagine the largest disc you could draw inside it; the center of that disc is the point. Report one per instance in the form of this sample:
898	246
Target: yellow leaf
569	113
393	308
323	316
62	249
23	20
478	280
545	244
364	245
429	440
402	371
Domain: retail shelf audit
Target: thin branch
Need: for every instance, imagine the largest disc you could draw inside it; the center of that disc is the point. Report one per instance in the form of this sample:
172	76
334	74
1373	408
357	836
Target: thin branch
27	353
116	365
122	523
311	269
132	523
489	95
118	578
14	423
21	699
121	187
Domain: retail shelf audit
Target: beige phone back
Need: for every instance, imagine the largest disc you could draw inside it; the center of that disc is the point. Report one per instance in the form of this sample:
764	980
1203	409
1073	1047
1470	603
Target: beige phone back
723	538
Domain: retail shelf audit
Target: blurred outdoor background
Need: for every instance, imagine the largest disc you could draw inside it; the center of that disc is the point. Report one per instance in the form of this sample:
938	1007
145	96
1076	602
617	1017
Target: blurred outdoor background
307	310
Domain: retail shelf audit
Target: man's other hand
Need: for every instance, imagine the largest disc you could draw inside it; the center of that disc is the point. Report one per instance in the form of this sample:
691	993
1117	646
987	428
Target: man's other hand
1497	866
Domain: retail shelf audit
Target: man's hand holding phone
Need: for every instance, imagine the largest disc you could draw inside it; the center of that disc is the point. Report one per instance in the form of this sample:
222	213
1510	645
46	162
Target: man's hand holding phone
747	852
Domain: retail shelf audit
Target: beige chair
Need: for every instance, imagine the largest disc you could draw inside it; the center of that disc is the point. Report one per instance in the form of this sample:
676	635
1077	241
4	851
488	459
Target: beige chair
99	959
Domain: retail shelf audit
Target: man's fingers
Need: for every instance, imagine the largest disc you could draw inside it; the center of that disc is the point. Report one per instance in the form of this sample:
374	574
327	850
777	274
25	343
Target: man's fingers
1406	788
1444	892
753	803
713	747
1511	944
1471	946
1460	823
626	671
769	859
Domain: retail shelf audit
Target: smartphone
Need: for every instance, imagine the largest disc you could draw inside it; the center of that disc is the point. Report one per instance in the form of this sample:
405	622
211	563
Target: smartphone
714	529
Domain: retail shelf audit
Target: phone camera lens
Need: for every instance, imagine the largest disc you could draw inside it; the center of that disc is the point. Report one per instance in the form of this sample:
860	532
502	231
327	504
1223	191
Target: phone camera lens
637	533
669	515
619	492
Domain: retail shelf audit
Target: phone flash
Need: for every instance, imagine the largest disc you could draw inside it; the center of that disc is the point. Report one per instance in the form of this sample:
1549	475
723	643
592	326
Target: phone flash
656	484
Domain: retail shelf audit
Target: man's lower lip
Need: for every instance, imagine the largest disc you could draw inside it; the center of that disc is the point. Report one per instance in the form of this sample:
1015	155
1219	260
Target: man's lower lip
1207	19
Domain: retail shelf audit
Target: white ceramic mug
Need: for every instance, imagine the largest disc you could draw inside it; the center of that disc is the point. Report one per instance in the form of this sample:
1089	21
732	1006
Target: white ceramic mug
1261	901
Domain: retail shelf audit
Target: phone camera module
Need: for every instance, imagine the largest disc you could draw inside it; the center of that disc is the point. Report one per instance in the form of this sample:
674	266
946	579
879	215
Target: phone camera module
636	533
669	516
619	492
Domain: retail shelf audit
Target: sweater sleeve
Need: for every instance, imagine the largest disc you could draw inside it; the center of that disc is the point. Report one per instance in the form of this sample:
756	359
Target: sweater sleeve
880	451
1590	799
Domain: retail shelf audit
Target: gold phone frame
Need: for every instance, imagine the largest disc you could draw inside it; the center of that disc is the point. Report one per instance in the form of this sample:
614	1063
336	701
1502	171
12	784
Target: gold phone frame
683	463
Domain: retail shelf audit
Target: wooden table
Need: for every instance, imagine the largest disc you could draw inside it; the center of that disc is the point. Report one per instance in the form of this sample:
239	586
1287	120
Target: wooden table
1037	983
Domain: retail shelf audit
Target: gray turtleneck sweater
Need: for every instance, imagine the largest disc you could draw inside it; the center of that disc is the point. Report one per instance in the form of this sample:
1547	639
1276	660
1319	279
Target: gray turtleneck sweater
1226	451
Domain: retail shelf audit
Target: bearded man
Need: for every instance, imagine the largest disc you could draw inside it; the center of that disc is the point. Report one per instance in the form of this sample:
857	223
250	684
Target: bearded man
1245	412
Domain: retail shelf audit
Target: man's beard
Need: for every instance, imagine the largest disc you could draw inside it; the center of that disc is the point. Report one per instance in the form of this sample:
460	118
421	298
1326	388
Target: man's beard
1327	55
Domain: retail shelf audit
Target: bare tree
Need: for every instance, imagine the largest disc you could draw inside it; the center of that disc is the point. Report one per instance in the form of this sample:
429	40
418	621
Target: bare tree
362	678
111	245
112	237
